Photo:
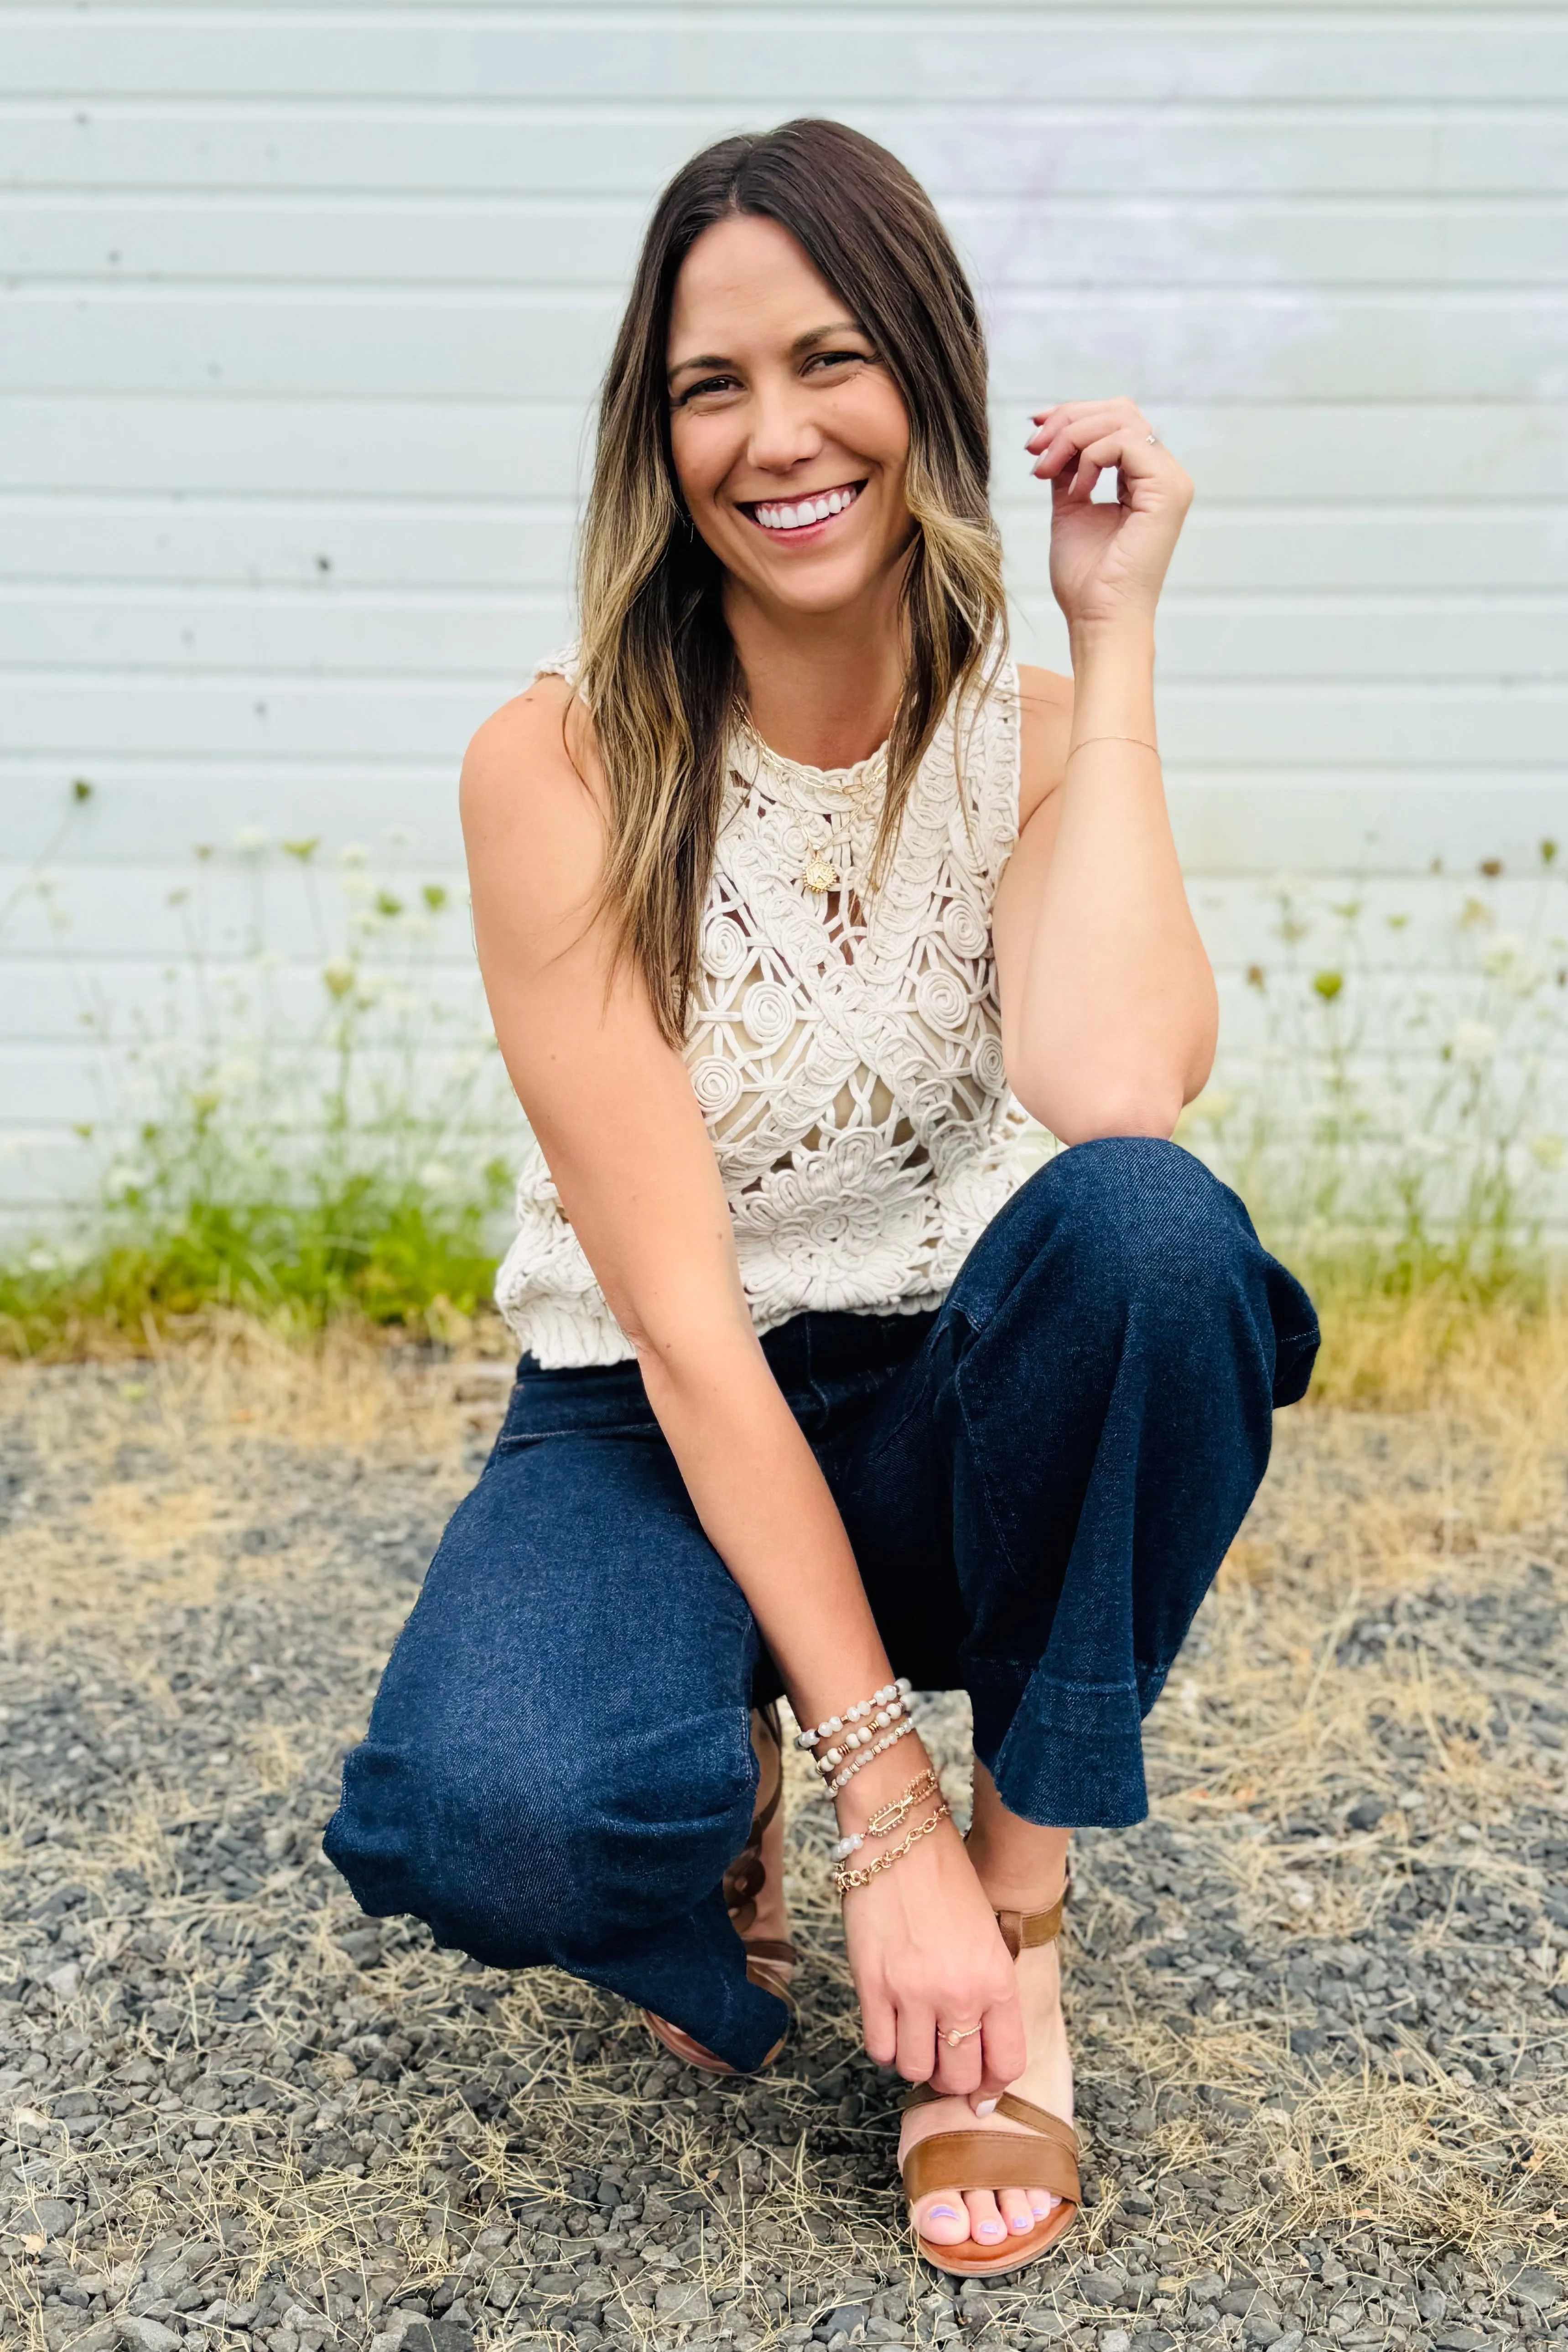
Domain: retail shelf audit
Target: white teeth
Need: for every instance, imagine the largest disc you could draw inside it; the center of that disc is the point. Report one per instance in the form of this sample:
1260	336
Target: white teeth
809	510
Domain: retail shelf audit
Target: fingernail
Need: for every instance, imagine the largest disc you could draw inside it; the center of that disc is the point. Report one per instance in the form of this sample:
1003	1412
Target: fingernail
986	2107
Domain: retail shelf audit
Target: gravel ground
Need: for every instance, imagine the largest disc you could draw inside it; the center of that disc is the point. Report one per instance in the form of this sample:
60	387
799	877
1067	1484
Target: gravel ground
1318	2000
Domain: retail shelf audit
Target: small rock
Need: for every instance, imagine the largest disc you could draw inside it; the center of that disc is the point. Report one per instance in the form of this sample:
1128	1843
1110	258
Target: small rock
681	2299
1101	2287
1461	2339
147	2335
1116	2339
64	1981
844	2317
436	2336
1538	2287
50	2216
1367	1814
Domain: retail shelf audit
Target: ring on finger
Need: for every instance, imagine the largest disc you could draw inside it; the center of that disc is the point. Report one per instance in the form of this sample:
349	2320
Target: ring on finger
957	2033
1153	441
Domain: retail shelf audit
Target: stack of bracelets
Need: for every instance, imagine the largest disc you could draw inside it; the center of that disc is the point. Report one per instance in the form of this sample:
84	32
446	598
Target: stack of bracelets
857	1738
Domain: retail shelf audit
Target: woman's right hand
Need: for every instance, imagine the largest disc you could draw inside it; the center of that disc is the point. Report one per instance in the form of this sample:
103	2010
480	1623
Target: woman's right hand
928	1959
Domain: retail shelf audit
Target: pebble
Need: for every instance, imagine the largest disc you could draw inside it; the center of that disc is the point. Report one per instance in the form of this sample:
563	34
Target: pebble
203	2048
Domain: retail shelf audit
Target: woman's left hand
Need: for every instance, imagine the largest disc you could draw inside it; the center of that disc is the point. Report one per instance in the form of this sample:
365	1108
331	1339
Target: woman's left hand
1108	560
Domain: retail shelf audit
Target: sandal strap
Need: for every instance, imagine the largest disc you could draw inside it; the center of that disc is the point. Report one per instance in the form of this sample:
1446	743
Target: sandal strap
1017	2110
1023	1930
747	1875
1047	2160
770	1947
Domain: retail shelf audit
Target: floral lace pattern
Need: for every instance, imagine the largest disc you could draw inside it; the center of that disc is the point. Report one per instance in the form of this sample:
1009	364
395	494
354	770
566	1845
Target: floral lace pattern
845	1047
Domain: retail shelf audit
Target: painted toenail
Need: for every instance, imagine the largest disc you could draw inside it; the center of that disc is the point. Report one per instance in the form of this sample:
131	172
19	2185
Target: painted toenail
991	2229
1023	2222
943	2213
986	2107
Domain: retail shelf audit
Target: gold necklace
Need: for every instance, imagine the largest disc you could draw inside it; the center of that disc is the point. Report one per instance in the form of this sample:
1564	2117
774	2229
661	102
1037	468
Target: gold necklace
818	874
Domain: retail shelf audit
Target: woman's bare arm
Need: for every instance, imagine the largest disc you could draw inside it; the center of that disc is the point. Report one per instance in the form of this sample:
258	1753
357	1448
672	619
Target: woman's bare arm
1108	1010
614	1112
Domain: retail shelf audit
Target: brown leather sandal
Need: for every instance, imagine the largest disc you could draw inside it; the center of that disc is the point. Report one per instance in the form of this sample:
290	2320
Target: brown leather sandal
770	1959
986	2160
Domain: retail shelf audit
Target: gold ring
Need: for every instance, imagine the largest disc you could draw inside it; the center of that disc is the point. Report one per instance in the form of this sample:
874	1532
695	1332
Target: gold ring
954	2035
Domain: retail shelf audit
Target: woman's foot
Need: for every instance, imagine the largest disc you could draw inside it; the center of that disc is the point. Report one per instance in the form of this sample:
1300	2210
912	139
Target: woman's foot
991	2218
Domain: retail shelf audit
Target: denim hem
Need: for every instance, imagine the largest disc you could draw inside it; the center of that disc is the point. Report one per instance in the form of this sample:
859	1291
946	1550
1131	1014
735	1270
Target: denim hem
1073	1756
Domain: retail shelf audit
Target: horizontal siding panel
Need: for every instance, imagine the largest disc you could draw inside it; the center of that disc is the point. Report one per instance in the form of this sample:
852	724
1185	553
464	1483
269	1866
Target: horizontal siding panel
1262	342
364	447
79	999
407	635
1037	238
1092	145
154	809
517	545
1353	820
71	1083
151	914
992	57
1404	450
1249	725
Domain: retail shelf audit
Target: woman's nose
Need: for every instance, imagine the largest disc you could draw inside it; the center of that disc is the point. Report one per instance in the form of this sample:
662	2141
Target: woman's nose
783	434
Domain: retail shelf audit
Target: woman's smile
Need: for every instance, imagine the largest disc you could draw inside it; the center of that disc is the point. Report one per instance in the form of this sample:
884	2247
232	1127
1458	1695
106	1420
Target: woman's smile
804	519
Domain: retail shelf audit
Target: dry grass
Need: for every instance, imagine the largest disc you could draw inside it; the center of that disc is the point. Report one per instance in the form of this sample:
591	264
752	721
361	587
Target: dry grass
375	2110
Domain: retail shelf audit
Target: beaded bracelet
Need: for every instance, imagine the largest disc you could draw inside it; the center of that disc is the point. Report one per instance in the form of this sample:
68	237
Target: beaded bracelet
884	1698
844	1879
892	1817
842	1779
848	1741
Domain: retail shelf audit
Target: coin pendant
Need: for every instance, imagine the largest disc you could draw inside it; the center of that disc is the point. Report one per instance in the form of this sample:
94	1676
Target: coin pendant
818	874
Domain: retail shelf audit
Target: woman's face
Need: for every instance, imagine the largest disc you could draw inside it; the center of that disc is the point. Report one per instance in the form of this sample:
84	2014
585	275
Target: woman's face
789	436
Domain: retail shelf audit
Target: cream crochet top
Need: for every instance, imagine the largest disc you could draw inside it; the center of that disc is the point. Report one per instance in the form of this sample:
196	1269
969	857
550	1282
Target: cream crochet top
844	1048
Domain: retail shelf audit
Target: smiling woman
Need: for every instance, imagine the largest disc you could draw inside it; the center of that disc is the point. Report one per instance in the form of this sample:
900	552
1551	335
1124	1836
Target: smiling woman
789	887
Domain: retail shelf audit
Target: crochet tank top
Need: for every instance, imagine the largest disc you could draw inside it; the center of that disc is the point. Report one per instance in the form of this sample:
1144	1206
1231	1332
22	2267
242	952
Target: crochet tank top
845	1046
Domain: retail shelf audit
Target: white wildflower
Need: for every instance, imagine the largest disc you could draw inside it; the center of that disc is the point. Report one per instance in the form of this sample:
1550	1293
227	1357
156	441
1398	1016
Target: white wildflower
1474	1041
249	841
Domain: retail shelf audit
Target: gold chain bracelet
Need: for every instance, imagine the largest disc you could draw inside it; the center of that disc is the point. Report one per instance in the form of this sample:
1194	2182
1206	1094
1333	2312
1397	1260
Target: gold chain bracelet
893	1815
1142	740
844	1880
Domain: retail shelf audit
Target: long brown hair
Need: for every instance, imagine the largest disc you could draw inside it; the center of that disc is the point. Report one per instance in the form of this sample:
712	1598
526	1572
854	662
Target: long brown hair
658	668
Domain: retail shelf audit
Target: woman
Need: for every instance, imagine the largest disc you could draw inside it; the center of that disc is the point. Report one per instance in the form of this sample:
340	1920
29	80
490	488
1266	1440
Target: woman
785	884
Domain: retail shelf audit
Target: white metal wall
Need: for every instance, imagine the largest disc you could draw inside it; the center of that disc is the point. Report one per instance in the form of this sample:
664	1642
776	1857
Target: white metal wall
304	307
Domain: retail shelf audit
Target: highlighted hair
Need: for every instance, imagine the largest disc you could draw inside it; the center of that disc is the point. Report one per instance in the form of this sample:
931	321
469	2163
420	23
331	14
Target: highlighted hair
658	668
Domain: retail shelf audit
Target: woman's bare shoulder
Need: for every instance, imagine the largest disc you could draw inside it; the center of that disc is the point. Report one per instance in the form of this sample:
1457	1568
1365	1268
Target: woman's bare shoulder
532	810
538	744
1045	731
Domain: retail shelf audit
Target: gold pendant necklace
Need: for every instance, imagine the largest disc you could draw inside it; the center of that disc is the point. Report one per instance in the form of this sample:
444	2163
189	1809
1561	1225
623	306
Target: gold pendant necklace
819	875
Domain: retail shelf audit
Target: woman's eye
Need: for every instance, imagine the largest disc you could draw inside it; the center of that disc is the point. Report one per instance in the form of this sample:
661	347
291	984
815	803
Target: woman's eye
708	383
838	358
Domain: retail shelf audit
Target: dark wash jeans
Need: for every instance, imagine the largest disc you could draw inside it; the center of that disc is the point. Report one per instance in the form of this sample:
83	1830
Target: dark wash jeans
1039	1481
